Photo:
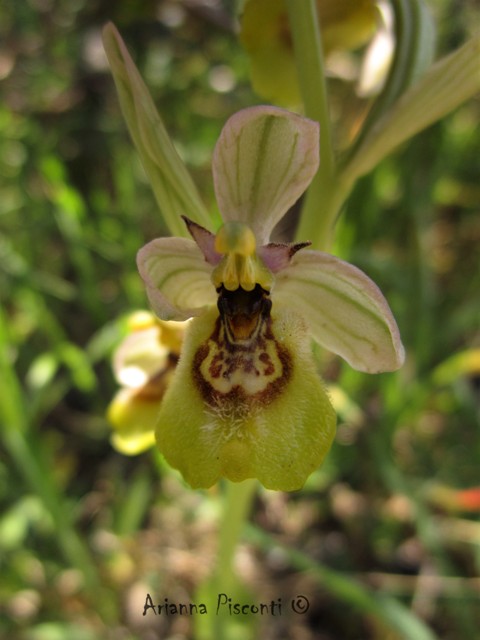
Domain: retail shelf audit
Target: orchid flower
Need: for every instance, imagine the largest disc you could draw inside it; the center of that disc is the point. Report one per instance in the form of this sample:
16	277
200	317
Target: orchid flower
143	365
245	399
266	36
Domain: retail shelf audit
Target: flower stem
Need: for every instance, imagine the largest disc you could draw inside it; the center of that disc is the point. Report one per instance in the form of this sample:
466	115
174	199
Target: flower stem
316	224
236	508
323	204
237	502
328	190
308	52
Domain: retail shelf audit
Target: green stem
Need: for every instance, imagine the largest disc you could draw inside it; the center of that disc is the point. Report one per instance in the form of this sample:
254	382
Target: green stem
308	52
237	502
322	207
236	508
325	196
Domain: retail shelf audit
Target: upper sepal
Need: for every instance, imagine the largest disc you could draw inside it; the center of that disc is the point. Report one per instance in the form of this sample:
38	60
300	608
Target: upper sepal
264	160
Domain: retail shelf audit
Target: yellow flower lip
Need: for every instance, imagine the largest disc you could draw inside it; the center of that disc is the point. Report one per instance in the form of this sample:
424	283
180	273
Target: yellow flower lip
240	266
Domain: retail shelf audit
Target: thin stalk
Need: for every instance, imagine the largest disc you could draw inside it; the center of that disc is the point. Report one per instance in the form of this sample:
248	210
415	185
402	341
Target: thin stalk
307	46
238	500
322	207
324	197
236	508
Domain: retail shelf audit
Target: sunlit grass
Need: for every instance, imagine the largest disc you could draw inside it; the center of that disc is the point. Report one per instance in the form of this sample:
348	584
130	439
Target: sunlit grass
84	532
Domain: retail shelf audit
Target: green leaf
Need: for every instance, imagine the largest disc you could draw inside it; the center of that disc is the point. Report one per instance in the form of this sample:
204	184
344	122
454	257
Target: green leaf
413	54
448	83
172	185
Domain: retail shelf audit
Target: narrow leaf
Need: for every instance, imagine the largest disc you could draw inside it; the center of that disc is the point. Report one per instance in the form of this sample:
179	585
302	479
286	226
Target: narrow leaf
413	55
172	185
450	82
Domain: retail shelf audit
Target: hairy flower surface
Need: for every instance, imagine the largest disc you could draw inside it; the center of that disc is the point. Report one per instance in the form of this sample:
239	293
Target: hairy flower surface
246	400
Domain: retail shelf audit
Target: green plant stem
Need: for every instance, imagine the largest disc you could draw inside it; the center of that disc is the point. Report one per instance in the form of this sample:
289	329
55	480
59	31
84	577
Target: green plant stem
324	197
237	502
236	508
323	204
308	52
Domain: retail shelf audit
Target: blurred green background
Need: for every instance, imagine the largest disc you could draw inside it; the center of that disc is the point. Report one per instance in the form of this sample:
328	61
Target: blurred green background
85	533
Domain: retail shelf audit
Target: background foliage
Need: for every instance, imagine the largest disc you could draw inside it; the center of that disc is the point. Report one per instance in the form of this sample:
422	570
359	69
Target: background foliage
84	532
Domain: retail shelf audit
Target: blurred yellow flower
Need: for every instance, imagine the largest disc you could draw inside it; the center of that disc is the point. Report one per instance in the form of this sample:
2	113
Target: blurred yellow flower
265	34
143	365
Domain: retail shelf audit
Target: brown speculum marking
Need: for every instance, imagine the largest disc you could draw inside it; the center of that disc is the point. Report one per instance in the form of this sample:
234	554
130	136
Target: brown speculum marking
242	362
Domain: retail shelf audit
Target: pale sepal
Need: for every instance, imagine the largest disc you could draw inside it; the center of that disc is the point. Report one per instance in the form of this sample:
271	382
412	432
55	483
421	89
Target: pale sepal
172	185
280	443
264	160
346	311
177	278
